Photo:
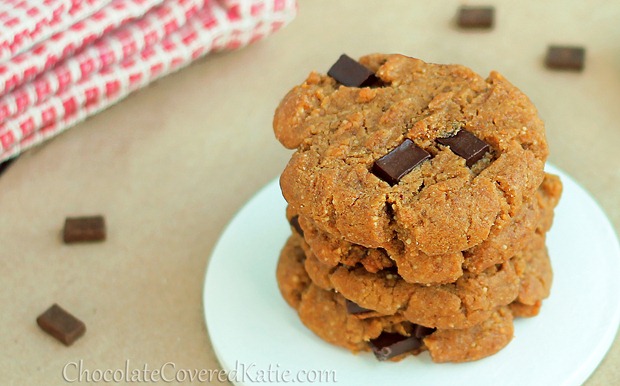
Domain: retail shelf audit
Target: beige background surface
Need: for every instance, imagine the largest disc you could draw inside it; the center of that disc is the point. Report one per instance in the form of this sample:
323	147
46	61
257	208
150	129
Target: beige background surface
171	164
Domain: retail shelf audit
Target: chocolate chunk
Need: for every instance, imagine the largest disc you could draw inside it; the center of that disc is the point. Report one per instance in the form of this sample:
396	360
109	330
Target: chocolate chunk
295	224
354	308
61	325
421	331
80	229
398	162
350	73
565	58
393	270
476	17
466	145
389	345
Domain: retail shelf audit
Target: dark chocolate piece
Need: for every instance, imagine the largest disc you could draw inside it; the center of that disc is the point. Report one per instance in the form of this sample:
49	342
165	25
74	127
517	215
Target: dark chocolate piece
354	308
393	270
389	345
466	145
295	224
81	229
350	73
565	58
61	325
476	17
422	332
397	163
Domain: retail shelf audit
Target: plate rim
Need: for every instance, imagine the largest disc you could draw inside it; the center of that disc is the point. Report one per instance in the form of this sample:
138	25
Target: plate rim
587	368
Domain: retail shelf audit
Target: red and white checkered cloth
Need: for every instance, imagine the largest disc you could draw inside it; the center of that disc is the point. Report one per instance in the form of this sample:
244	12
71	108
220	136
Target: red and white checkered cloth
63	60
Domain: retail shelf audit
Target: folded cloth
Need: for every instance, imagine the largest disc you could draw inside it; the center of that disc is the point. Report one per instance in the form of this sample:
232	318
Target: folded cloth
64	60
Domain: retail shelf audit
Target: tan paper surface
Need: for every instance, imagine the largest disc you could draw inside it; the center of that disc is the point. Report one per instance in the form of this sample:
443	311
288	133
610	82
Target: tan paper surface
170	166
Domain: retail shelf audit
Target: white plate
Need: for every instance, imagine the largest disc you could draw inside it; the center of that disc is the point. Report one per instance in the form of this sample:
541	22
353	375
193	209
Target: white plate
255	333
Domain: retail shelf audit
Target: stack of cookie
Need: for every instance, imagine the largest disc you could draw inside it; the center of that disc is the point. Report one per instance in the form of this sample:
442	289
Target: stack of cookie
418	205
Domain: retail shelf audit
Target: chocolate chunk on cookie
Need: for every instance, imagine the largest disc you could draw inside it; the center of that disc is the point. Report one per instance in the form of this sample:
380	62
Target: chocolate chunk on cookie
389	345
466	145
355	309
422	331
350	73
399	161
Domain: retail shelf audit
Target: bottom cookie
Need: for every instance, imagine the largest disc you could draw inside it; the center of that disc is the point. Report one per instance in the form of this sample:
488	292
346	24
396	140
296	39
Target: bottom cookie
390	337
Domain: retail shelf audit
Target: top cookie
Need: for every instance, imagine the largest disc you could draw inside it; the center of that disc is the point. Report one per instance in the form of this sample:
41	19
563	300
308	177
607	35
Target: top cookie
449	201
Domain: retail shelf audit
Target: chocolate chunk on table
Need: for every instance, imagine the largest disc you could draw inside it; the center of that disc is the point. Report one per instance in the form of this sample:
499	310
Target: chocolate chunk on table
61	325
565	58
351	73
476	17
398	162
84	229
354	308
388	345
466	145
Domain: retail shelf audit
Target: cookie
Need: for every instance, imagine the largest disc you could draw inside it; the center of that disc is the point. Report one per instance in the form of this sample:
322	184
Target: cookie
536	216
324	312
448	202
291	274
536	277
526	279
474	343
465	303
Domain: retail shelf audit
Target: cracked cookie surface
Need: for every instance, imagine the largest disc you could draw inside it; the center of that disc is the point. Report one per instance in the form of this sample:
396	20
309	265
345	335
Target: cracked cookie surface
525	278
324	312
440	208
535	216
